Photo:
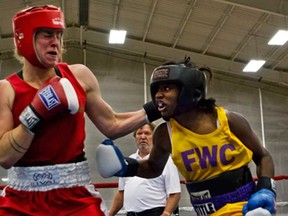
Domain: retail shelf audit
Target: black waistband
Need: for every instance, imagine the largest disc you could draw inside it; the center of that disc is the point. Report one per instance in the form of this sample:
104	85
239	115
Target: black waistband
224	183
150	212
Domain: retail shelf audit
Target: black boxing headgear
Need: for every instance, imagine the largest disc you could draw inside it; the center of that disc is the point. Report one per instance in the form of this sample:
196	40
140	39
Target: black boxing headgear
192	83
26	23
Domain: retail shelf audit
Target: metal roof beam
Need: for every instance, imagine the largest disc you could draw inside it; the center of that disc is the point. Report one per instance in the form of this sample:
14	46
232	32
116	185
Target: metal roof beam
274	7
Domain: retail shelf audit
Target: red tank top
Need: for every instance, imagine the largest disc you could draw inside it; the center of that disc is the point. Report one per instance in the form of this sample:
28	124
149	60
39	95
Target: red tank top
60	139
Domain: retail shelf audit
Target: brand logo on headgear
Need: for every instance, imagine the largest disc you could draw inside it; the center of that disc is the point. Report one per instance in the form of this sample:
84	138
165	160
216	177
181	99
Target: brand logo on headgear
161	73
57	21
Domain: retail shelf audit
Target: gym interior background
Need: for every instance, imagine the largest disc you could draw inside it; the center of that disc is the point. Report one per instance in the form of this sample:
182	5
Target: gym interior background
221	34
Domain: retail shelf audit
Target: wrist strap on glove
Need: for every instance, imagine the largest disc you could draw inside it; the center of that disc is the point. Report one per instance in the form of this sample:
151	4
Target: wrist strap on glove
132	167
266	183
151	112
30	119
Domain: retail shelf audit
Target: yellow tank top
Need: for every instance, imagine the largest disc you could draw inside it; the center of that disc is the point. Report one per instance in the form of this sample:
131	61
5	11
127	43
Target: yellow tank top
200	157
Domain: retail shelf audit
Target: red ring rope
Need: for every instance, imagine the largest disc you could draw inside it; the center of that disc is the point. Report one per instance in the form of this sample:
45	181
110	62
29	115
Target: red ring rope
115	184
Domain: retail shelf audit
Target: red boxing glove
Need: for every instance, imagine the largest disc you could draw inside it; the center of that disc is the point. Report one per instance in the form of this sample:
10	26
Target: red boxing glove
55	96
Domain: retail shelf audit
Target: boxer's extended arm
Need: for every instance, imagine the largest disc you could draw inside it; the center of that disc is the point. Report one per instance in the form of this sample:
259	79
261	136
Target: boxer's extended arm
112	124
110	161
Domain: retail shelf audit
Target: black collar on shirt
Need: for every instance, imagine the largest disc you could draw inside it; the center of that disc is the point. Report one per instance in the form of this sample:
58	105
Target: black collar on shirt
57	71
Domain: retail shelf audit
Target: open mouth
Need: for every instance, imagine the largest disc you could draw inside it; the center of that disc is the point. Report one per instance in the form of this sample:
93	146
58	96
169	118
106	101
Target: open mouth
161	106
52	53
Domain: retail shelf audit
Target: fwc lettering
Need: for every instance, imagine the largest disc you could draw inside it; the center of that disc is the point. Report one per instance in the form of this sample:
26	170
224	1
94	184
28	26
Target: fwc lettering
212	157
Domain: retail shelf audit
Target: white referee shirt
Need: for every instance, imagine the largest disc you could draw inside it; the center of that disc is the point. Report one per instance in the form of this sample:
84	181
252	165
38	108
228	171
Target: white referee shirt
141	194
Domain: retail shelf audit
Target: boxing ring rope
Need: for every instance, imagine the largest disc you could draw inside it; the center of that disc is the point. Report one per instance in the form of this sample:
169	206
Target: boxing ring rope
115	184
108	185
189	210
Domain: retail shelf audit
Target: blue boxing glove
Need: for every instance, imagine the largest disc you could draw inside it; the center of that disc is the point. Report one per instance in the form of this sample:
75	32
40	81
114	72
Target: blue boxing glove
110	161
265	197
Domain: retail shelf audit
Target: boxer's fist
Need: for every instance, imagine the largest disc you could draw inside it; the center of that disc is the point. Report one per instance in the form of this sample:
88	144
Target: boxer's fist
55	96
110	161
258	212
263	198
152	112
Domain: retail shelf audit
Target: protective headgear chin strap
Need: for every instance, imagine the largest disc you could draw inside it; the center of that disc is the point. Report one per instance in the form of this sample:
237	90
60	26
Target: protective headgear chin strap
26	23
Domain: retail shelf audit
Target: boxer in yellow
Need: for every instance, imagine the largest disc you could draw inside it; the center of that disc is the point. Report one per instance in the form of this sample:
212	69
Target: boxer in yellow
210	146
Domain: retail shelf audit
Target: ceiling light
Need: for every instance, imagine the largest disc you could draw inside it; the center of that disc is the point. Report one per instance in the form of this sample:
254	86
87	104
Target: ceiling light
4	179
117	36
254	65
279	38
